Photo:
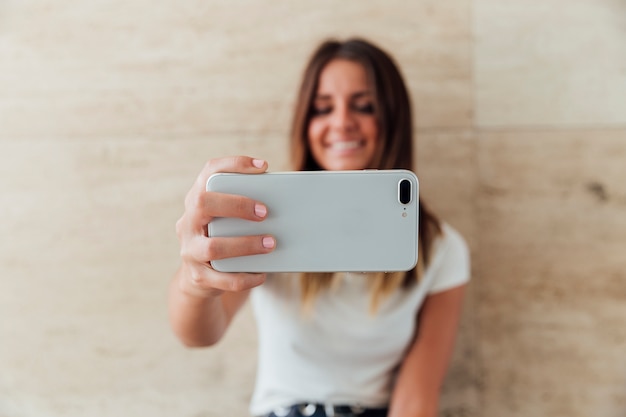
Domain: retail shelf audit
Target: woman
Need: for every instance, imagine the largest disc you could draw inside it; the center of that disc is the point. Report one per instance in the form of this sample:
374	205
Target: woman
330	344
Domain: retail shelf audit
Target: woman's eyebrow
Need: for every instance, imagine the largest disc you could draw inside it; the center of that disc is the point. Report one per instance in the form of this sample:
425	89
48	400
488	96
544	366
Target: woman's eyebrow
357	94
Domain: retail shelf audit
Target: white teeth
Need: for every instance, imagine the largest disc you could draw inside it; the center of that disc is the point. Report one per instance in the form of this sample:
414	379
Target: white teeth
345	145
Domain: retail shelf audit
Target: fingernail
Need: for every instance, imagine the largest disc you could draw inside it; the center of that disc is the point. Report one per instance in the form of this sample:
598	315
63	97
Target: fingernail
258	163
268	242
260	210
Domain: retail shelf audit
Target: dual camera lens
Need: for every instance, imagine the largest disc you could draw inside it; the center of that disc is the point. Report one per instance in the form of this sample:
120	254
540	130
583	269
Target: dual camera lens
404	191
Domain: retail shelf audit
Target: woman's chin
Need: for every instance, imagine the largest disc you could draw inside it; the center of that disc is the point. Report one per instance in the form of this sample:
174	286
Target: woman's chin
344	167
343	164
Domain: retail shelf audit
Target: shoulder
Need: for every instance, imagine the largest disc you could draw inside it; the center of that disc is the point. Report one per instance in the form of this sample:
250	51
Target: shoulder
452	241
451	260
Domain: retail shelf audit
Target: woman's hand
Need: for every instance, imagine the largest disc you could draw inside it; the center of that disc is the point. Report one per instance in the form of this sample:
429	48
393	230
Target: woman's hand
197	278
203	301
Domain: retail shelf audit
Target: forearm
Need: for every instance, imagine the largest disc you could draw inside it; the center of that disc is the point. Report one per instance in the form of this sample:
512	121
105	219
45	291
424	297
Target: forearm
417	395
423	370
196	320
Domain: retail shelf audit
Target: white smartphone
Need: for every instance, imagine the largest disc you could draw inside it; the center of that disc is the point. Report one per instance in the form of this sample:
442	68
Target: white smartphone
325	221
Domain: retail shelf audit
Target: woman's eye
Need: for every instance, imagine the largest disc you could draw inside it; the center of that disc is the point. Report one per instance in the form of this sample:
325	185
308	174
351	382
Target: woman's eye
319	111
365	108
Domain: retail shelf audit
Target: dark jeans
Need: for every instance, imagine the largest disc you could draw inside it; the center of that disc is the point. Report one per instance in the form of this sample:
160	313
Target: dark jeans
312	410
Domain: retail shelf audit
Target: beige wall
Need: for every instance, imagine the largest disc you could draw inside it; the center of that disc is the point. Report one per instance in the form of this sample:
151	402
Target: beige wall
108	109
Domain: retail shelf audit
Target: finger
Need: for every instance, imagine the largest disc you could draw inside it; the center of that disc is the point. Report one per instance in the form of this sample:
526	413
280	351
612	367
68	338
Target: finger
235	282
205	280
204	250
237	164
208	204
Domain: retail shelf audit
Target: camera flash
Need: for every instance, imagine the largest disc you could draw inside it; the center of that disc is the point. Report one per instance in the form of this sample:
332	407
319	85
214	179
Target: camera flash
404	214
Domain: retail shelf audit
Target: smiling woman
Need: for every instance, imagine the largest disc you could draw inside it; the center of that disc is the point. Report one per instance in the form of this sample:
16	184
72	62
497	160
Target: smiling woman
330	343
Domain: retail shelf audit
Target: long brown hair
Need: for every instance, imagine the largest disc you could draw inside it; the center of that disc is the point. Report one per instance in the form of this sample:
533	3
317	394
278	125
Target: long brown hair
394	151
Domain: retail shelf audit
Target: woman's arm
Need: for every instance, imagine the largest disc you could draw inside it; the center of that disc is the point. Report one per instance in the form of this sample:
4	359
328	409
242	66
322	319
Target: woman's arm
417	389
203	301
201	320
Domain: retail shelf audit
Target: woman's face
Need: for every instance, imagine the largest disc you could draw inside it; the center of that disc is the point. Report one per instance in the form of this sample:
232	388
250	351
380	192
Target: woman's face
343	131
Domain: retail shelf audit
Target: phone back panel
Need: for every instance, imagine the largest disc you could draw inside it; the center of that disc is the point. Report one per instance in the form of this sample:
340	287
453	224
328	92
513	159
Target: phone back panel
324	221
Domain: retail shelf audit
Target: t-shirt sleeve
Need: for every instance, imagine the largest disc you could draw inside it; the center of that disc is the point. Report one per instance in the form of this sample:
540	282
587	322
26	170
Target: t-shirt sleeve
453	265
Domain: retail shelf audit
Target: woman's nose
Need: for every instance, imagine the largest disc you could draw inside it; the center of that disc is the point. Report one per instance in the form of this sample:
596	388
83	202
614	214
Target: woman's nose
343	118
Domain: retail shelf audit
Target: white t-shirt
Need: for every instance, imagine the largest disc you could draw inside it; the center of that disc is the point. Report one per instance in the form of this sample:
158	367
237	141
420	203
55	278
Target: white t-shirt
341	353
